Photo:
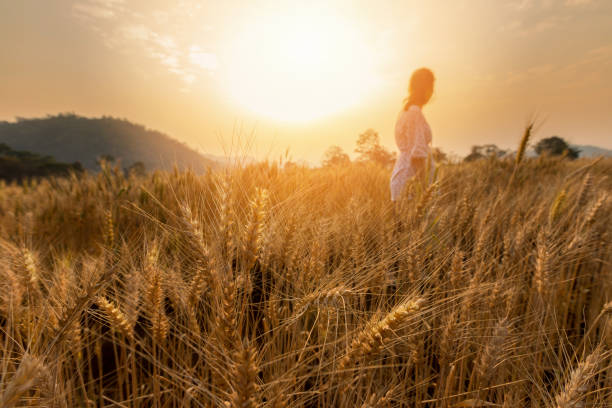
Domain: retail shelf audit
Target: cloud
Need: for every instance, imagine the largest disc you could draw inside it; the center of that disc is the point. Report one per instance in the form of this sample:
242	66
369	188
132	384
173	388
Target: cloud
136	32
204	60
97	9
156	33
577	2
92	11
592	64
548	23
527	27
531	73
523	5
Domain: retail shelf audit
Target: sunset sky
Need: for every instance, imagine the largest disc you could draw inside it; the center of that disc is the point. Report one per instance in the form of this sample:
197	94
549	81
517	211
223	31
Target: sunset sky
306	75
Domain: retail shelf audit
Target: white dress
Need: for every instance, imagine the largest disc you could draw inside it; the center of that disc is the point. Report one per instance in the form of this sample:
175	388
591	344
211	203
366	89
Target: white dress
413	136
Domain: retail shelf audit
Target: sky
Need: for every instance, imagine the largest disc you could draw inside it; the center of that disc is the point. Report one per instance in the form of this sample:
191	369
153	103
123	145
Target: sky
261	77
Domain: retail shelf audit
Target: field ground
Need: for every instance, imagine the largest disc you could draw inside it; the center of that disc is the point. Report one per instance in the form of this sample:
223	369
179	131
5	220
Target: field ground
293	287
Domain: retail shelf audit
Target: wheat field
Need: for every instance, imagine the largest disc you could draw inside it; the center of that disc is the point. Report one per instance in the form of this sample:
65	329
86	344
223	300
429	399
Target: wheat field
285	286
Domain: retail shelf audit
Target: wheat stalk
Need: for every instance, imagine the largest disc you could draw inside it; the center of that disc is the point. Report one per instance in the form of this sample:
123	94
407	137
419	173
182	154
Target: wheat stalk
109	229
226	322
576	386
523	145
244	379
556	207
23	380
157	313
542	276
372	338
118	321
585	191
493	353
253	235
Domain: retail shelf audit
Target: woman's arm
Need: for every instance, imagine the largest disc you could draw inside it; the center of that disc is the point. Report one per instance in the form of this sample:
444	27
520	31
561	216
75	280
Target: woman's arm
420	149
417	128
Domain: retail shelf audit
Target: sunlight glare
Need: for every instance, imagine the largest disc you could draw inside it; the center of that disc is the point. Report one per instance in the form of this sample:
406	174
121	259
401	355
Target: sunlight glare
299	67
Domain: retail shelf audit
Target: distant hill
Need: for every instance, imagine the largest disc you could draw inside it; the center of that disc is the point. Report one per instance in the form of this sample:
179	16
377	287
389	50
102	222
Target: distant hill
71	138
592	151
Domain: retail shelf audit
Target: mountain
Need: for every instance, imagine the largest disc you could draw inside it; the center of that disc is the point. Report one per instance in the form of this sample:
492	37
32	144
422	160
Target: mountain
71	138
592	151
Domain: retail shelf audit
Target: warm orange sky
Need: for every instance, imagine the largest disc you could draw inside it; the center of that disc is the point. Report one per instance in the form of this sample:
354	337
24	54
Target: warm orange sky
307	77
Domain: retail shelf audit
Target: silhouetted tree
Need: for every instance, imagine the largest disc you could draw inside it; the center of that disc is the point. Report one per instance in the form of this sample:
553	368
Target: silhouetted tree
108	158
438	155
17	165
335	156
482	151
556	146
137	168
369	149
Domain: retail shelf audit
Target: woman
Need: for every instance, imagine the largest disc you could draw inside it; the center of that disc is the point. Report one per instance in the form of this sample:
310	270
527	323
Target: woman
412	133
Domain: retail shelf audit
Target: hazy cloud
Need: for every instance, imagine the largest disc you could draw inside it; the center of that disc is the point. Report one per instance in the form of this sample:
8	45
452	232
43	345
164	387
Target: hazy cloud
525	5
98	9
526	27
202	59
128	30
594	61
578	2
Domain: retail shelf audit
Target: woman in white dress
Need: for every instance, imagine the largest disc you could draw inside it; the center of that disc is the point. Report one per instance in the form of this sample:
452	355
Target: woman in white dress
412	133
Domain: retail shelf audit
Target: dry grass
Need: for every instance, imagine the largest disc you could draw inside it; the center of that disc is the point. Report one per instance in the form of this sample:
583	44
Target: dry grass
296	287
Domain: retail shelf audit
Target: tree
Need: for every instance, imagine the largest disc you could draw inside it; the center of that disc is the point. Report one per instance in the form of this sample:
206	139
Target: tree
335	156
137	168
369	149
438	155
482	151
105	159
17	165
556	146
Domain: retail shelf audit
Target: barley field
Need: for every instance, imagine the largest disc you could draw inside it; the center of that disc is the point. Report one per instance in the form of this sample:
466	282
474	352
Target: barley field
285	286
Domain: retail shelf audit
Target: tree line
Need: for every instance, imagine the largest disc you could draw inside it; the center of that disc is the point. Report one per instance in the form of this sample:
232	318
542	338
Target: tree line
18	165
369	149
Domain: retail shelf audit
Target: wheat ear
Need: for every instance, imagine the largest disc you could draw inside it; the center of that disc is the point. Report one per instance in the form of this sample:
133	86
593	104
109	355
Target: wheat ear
577	385
244	379
523	145
24	379
373	337
493	352
159	320
541	277
116	317
556	207
585	190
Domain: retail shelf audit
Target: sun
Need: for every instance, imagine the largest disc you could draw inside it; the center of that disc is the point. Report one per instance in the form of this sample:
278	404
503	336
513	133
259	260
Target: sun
298	66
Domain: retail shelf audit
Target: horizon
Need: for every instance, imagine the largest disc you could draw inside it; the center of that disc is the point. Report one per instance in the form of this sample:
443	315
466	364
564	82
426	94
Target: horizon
236	154
174	70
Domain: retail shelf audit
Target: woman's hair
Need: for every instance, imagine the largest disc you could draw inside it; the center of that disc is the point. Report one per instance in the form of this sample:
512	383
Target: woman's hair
419	90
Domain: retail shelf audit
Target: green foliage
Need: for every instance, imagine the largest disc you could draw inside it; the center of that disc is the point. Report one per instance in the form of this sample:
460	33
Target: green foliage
138	169
556	146
483	151
20	165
